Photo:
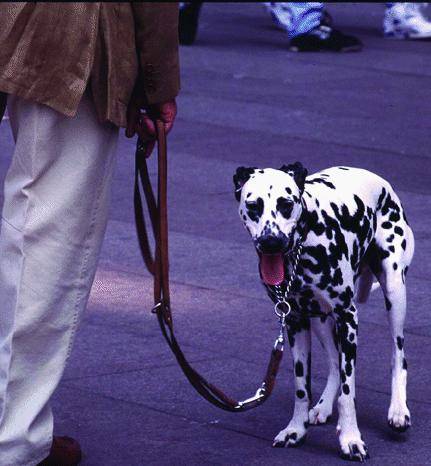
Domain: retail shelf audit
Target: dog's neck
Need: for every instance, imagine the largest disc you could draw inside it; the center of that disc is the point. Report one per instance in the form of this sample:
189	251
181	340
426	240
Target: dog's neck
300	232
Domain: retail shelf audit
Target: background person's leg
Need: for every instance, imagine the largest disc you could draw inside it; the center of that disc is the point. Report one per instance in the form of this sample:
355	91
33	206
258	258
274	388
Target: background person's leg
305	16
53	222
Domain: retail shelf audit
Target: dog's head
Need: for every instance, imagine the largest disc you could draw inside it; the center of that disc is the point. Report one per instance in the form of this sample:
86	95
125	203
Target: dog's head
270	206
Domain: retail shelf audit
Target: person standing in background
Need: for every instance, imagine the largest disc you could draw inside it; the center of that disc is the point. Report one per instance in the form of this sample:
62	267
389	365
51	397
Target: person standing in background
309	26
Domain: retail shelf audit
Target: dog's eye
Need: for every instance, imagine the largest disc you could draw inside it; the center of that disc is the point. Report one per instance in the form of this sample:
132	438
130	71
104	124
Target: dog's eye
254	209
285	207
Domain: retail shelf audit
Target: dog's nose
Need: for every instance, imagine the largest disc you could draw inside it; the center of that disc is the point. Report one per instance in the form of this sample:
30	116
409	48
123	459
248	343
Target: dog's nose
270	244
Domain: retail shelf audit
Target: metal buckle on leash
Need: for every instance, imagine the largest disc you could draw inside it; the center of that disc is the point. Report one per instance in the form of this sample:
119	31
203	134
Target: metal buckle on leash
254	400
282	315
155	308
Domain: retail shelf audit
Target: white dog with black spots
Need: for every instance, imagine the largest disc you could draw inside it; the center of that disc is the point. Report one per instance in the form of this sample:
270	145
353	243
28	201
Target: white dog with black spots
353	229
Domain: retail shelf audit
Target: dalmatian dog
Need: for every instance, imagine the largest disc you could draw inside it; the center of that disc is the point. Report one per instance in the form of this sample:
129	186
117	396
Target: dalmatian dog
353	229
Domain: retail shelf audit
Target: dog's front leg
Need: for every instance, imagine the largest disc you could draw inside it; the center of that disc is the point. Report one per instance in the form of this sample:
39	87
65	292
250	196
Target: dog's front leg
352	445
300	344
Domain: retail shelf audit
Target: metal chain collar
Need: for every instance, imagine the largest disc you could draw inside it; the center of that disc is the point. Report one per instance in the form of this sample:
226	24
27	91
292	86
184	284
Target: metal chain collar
282	307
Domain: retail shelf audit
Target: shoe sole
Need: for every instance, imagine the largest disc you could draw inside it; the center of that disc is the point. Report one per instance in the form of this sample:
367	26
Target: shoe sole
353	48
406	36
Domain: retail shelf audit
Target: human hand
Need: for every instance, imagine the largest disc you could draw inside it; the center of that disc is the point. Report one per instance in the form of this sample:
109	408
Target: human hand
141	120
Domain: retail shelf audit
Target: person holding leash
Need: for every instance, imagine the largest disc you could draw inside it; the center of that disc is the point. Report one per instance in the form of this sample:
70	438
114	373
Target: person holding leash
72	75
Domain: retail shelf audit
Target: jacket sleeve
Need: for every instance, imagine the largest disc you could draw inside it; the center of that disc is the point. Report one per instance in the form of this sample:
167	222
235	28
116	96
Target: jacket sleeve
156	30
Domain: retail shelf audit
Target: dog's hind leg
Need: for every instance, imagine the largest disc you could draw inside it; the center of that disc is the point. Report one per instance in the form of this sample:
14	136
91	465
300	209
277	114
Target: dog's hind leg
324	331
300	344
394	250
399	417
392	280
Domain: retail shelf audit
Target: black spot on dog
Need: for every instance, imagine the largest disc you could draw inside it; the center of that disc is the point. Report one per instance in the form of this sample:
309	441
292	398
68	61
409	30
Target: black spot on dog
400	343
404	364
320	180
394	217
248	195
346	389
391	248
300	394
320	401
381	198
343	168
390	238
387	225
255	209
404	244
395	266
288	190
388	304
398	230
299	369
285	207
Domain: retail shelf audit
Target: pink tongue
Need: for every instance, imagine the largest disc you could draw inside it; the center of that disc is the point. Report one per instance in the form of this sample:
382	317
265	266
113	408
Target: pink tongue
272	268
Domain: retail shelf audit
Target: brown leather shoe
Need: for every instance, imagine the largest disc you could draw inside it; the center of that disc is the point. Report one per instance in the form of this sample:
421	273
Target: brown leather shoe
65	451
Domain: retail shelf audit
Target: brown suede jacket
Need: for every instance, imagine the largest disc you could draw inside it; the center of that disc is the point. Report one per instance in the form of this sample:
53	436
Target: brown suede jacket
49	52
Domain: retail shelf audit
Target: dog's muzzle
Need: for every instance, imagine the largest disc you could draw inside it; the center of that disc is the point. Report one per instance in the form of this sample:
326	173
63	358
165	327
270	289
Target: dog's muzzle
271	250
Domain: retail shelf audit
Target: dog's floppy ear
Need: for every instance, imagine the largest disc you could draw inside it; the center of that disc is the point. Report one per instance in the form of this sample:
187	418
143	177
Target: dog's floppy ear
241	177
298	172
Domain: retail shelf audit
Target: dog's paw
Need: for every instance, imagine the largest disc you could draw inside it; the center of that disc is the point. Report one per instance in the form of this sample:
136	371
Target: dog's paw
399	418
320	414
290	436
353	447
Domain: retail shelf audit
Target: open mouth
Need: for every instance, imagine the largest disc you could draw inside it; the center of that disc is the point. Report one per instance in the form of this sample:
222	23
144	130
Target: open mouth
271	268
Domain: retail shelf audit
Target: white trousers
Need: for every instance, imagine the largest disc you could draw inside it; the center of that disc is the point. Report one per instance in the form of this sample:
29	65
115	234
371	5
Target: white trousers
56	198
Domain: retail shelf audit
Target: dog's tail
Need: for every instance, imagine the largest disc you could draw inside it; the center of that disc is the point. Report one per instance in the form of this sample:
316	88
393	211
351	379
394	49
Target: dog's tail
365	286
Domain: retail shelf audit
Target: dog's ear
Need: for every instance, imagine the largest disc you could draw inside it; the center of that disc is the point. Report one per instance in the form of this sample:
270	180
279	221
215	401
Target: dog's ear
298	172
241	177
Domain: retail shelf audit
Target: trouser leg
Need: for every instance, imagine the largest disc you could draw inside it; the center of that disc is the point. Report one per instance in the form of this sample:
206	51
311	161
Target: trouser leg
305	16
56	198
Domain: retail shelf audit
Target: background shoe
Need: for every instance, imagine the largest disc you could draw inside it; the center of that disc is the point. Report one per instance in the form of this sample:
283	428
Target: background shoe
65	451
188	22
324	38
406	21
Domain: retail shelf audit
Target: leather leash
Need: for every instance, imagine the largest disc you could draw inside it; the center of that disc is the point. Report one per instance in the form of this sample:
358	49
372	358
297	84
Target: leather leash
159	268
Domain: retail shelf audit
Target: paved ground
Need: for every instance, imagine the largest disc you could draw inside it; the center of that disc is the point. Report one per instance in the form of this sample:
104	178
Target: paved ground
246	100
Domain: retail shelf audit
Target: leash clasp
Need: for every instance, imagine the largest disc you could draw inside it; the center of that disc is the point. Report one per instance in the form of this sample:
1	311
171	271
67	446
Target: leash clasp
155	308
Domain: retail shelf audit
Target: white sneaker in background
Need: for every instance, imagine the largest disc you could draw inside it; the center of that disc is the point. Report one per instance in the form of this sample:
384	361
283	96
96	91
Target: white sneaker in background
406	21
